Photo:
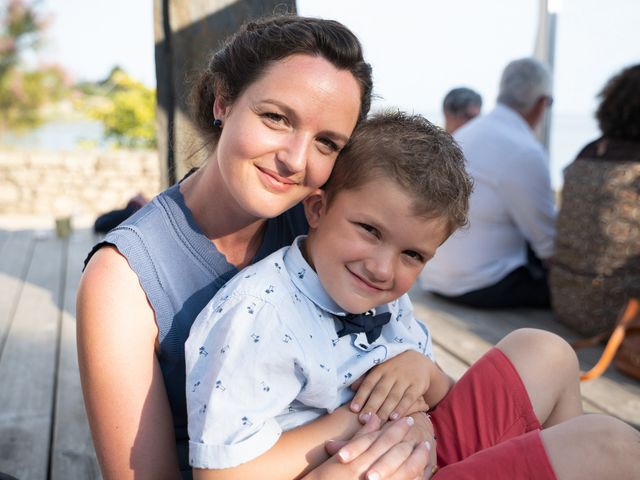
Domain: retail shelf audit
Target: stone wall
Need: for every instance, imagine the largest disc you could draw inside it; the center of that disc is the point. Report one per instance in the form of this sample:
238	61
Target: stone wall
74	183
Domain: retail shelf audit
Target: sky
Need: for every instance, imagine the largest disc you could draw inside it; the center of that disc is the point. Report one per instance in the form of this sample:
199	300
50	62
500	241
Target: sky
89	37
419	49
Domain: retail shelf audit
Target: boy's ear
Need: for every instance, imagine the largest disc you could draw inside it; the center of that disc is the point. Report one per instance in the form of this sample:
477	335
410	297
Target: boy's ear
314	207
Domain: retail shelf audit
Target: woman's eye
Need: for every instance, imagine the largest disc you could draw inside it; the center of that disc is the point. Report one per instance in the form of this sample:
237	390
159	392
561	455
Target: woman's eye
329	144
275	118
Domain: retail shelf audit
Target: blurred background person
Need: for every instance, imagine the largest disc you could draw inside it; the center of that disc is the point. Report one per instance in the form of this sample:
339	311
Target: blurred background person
498	261
596	266
111	219
459	106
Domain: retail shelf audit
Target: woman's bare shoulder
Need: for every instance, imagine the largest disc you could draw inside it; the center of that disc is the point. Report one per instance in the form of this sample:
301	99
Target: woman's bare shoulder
110	291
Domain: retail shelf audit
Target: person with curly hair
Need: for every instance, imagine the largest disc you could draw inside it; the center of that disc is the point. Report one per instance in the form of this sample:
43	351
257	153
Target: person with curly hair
597	261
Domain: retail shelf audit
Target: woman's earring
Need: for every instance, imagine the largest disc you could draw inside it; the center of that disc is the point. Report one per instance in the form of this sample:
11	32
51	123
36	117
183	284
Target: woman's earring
217	123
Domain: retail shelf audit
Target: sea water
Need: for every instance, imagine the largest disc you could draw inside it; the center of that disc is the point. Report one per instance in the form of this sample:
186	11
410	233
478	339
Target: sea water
569	133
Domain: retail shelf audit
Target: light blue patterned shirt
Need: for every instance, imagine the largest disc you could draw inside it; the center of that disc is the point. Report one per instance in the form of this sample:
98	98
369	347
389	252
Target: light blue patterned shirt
264	357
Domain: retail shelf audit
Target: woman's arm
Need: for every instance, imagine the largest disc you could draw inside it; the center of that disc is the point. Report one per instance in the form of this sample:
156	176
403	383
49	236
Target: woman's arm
124	392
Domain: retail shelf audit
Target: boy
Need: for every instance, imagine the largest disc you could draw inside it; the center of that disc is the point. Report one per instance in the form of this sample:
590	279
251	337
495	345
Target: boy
281	343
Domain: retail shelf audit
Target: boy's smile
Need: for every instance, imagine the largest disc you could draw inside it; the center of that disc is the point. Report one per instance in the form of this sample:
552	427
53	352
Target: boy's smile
368	246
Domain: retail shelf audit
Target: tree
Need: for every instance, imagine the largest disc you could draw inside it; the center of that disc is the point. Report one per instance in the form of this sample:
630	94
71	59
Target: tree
21	31
24	92
127	110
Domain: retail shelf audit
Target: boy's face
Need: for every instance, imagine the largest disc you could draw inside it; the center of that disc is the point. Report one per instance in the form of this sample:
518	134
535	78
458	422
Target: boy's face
368	247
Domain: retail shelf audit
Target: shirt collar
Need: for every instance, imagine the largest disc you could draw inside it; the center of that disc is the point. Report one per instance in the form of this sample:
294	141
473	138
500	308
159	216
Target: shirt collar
306	279
513	117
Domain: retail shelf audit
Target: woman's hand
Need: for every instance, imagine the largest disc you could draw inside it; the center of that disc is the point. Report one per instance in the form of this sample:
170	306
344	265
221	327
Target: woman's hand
394	388
401	450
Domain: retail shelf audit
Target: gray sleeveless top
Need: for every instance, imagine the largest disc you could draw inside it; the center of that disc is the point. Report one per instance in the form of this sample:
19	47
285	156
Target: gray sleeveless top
180	270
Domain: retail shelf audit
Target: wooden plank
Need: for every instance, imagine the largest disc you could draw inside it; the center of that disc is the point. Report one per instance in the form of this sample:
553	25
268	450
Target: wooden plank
468	333
14	254
452	365
73	455
27	367
4	235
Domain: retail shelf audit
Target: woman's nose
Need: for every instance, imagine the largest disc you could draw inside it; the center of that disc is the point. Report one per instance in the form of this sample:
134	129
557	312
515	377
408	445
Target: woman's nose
294	154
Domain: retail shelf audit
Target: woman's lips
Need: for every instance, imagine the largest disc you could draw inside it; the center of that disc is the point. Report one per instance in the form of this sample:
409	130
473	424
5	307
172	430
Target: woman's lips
274	181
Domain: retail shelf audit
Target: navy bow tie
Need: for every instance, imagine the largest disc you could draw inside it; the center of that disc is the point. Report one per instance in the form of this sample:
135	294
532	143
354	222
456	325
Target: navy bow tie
364	322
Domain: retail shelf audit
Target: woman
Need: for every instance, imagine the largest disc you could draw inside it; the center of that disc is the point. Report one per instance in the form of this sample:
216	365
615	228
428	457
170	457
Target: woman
275	105
596	263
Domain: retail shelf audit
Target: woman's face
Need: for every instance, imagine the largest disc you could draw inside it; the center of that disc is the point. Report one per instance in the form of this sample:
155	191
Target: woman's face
281	137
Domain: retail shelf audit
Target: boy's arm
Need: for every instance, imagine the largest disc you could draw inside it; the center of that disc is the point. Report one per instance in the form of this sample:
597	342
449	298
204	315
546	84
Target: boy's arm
296	453
439	386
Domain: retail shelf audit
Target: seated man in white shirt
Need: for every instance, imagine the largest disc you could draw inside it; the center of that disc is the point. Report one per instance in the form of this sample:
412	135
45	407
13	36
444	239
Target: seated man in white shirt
499	260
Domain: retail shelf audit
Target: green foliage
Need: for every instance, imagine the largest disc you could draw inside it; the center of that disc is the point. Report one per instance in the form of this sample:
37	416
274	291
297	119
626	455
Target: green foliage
24	92
20	31
127	111
22	95
125	106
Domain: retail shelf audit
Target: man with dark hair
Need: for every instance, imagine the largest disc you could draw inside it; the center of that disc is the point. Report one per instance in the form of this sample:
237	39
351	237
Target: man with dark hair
459	106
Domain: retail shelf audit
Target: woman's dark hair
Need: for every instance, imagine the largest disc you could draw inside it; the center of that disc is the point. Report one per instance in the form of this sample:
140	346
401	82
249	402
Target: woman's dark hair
246	54
619	111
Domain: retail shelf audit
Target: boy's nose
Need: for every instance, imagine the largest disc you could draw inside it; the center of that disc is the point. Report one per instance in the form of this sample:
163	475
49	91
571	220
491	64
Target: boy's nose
380	268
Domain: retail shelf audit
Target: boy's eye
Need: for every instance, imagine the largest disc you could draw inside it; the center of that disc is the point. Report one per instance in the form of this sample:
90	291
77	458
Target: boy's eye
414	256
369	229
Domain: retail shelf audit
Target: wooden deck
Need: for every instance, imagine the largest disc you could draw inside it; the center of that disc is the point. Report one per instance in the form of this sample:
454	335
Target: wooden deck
43	428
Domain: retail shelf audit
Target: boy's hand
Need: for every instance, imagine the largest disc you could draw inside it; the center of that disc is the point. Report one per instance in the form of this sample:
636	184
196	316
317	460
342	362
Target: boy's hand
394	388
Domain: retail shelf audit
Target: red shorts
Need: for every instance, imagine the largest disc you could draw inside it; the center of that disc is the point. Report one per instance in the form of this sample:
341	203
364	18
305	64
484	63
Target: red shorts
486	426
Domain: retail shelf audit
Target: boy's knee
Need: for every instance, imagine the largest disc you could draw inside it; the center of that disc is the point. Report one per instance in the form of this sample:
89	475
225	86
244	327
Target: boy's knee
536	340
546	347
